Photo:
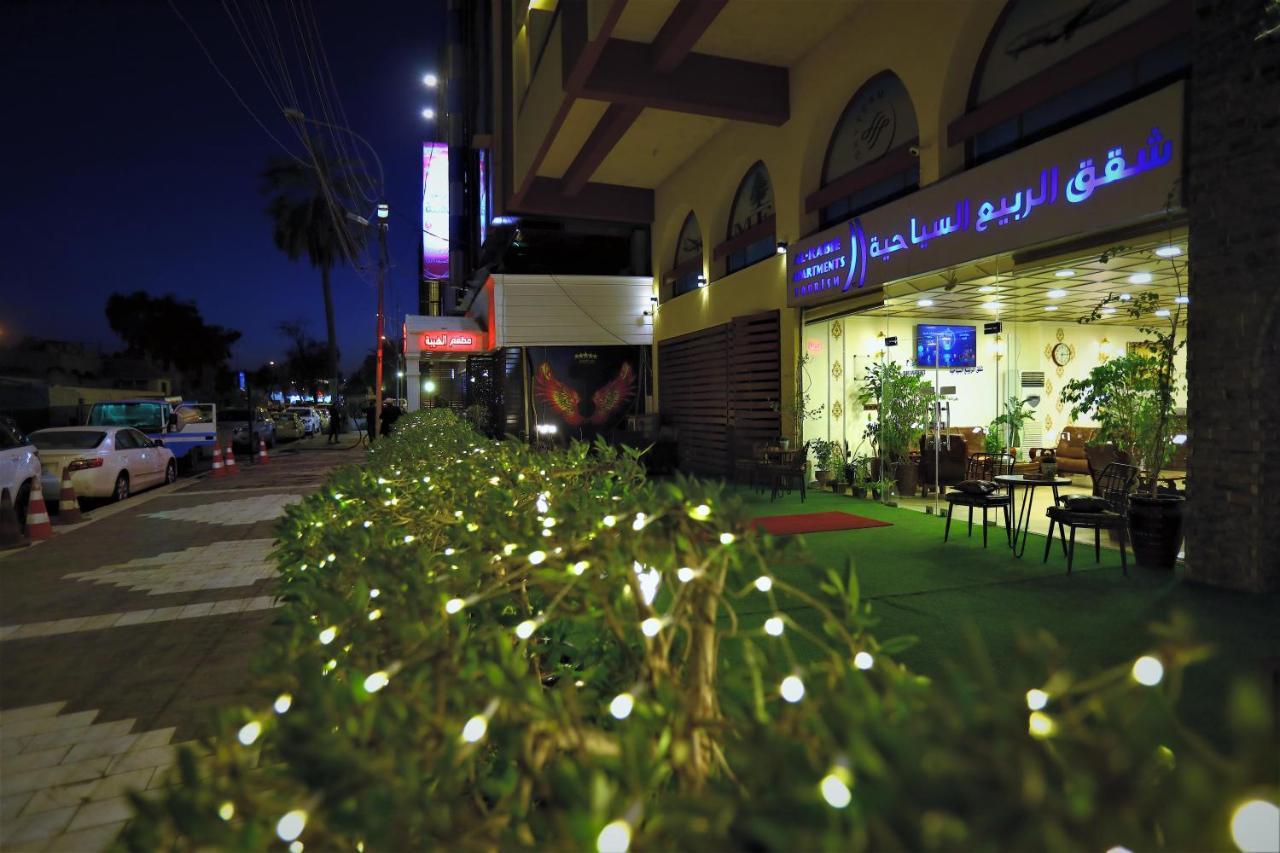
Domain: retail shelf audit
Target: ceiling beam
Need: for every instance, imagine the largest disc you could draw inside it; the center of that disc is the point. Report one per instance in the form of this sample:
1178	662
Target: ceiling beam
610	202
681	31
700	84
608	131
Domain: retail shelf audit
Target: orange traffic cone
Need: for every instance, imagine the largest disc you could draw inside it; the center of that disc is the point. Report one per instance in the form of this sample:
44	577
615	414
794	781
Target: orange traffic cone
230	456
218	469
262	452
68	504
10	530
38	526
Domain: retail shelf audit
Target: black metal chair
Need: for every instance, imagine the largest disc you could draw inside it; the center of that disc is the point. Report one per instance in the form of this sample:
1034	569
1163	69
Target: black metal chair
791	467
1112	487
983	466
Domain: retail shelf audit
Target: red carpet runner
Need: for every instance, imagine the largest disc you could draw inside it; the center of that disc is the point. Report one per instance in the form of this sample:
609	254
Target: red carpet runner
817	522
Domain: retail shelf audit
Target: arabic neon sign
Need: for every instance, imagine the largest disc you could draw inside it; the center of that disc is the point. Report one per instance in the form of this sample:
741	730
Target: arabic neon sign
1048	197
451	341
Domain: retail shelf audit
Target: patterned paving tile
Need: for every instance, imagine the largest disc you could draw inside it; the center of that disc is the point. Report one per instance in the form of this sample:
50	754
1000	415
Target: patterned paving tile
221	565
240	511
138	617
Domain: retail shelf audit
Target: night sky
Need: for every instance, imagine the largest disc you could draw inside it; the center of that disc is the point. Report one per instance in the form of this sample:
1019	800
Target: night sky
130	165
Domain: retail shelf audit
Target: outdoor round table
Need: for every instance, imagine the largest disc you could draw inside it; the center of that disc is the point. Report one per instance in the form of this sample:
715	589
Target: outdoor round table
1028	486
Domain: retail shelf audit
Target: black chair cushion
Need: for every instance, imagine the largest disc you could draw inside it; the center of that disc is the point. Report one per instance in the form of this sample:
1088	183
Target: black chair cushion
976	487
1085	503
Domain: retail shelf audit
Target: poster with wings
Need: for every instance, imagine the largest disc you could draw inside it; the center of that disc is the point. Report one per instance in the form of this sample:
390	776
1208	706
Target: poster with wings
584	391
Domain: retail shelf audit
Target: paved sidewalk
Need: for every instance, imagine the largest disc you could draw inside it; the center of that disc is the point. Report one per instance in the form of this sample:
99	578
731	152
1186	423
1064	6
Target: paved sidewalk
120	637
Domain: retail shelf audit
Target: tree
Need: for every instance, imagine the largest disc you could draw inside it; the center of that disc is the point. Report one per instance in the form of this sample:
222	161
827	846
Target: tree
362	380
308	358
169	331
308	219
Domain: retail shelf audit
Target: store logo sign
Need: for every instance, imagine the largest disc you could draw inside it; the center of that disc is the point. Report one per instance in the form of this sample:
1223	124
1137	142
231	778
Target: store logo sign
446	341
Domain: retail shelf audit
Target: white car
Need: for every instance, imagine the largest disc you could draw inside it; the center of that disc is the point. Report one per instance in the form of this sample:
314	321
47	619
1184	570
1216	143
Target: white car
310	418
105	462
19	468
288	426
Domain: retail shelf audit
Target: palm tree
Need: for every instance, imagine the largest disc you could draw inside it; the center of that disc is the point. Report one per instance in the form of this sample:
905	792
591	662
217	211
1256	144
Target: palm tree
308	218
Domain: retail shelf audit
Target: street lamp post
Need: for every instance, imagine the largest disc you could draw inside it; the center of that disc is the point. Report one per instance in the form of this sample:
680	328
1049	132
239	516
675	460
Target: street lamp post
383	212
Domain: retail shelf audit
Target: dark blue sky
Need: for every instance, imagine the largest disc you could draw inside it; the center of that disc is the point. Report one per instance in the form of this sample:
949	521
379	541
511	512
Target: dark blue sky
129	165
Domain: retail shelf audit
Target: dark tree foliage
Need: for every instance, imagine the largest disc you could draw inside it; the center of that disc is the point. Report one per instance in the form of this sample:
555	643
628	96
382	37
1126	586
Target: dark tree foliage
169	331
308	360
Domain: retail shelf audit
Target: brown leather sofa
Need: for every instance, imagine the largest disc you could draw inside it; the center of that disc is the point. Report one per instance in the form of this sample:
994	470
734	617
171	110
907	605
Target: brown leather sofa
1071	449
951	461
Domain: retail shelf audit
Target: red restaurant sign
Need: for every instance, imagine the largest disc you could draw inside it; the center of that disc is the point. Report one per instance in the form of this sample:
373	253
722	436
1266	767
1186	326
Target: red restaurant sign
452	341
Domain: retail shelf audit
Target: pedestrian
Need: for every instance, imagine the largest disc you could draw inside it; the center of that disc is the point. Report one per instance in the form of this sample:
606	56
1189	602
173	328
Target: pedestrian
368	421
337	414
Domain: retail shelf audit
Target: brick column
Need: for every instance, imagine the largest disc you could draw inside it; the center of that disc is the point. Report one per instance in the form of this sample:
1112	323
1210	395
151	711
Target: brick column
1233	349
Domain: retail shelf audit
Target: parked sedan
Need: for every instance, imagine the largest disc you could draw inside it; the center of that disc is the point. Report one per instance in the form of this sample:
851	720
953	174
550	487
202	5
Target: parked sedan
237	422
19	467
310	417
288	426
105	462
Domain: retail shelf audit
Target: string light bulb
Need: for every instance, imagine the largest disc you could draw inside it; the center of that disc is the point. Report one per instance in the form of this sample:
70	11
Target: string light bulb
792	688
538	557
651	626
1255	826
376	681
608	521
863	660
1148	671
289	827
526	628
614	838
1037	699
327	635
835	790
227	810
701	512
579	567
773	626
685	574
622	705
727	538
475	728
454	605
764	583
249	733
283	703
1041	725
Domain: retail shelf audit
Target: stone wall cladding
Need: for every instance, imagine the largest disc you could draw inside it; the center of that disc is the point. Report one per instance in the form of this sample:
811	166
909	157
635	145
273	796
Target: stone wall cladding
1233	512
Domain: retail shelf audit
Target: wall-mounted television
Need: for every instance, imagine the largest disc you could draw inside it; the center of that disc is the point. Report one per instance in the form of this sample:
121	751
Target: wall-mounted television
946	346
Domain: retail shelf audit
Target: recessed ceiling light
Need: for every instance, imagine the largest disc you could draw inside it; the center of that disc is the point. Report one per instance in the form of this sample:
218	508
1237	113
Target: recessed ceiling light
924	303
1181	300
1051	307
992	306
1125	297
1140	278
987	288
1065	273
1163	312
1108	310
1057	294
1168	251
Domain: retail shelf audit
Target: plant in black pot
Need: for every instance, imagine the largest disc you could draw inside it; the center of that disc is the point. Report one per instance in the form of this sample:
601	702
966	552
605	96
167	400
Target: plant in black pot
1132	399
823	453
904	404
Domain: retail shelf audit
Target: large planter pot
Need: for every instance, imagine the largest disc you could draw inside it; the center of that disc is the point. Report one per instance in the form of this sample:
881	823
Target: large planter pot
822	476
908	477
1155	529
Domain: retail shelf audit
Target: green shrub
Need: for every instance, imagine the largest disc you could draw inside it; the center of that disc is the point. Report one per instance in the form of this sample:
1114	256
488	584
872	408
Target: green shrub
469	664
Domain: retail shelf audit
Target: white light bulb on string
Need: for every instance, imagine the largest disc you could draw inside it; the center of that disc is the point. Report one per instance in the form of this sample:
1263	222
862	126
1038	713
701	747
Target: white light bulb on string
863	660
296	847
548	522
614	838
792	688
579	567
608	521
227	810
327	635
453	605
773	626
249	733
542	505
475	728
651	626
375	615
409	538
1037	699
368	524
537	557
1148	671
509	549
639	522
374	593
1255	826
701	512
835	791
283	703
649	581
727	538
621	705
291	825
1041	725
376	681
685	574
449	552
526	628
764	583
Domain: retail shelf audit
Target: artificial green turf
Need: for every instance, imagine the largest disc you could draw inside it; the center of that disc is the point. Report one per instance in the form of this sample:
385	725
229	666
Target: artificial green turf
943	592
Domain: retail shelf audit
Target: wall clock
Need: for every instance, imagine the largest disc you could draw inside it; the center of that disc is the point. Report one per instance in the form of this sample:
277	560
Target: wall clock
1061	353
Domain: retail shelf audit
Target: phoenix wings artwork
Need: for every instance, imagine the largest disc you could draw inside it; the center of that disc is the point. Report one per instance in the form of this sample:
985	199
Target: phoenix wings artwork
605	400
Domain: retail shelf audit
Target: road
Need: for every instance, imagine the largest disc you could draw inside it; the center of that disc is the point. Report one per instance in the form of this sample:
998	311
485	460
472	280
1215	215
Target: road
121	635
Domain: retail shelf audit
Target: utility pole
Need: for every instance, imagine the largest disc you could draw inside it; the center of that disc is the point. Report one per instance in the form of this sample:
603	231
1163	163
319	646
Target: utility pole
383	212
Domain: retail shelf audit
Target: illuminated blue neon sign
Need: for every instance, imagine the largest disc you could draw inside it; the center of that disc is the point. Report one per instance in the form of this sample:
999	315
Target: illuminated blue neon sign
841	262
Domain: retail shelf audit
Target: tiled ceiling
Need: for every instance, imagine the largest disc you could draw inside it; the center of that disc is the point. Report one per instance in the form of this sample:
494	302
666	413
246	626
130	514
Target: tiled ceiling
986	292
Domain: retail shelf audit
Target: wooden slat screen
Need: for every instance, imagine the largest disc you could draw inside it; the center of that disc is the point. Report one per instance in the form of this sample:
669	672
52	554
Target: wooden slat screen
718	386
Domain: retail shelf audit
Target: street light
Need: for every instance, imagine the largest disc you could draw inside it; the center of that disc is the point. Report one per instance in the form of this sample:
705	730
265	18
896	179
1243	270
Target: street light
430	81
428	114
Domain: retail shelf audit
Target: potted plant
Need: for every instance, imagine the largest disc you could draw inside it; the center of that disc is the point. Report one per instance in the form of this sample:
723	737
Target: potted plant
822	452
1009	424
1131	397
837	467
904	403
798	410
992	442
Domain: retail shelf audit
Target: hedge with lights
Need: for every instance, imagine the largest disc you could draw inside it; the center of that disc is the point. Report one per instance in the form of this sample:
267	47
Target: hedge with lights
486	645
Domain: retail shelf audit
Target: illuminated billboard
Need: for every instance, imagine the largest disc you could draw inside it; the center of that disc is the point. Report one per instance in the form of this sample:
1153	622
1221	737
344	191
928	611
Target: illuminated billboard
435	210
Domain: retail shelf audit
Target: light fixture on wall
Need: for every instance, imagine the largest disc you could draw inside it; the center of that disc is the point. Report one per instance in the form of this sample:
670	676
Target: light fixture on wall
1104	350
782	247
1065	273
924	303
1056	294
1168	252
1140	278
